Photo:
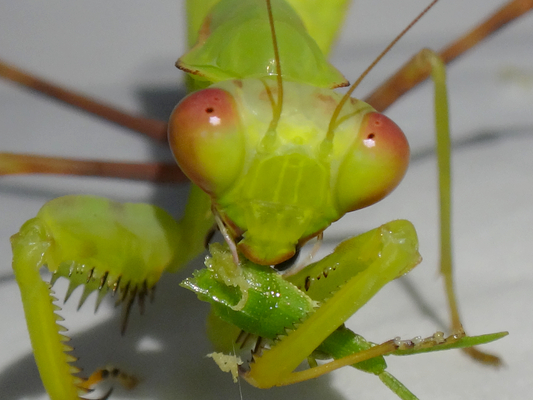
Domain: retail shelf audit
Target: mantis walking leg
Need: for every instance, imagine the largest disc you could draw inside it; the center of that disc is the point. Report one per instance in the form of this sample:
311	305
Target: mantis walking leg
427	59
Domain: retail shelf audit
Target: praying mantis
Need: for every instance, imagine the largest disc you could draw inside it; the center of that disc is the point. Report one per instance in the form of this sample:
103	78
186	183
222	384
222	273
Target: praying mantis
369	225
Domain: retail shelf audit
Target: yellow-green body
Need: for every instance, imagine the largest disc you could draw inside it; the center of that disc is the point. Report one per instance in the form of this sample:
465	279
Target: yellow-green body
125	248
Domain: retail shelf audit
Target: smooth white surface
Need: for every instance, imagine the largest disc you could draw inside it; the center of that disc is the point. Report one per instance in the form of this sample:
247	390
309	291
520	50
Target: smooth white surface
117	50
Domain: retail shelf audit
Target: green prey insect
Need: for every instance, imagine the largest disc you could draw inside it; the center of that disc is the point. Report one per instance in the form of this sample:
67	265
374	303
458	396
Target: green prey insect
234	285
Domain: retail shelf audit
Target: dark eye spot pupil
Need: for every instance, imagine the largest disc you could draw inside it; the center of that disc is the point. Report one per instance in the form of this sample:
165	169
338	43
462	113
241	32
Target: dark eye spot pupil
209	110
371	136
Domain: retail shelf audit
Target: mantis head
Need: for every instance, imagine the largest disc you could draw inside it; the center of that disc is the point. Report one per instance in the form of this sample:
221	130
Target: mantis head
276	190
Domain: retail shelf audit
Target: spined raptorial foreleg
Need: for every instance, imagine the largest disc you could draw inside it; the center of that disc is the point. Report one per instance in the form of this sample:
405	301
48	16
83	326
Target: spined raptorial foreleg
105	246
304	314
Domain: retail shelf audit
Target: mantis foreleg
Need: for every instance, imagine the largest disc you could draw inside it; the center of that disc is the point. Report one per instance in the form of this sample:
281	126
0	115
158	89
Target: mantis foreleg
307	316
105	246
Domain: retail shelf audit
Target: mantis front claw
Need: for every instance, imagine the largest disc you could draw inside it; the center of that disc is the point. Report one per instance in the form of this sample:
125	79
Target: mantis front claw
103	245
308	309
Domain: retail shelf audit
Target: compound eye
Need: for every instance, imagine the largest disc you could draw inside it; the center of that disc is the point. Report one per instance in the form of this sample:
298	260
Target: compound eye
207	140
375	165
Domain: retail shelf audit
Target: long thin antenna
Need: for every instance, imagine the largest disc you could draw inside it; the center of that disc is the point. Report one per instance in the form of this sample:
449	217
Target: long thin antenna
276	114
335	116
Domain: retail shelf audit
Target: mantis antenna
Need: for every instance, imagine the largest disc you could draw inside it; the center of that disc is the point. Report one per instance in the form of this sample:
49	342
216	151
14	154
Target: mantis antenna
276	114
333	122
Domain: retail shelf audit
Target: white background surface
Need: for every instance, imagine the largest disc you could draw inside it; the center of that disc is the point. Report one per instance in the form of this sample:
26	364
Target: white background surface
124	51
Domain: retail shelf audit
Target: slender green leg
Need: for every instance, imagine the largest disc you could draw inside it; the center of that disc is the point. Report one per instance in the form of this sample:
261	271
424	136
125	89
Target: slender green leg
438	73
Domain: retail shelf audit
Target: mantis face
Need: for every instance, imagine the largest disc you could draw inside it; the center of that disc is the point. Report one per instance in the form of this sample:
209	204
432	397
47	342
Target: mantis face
275	189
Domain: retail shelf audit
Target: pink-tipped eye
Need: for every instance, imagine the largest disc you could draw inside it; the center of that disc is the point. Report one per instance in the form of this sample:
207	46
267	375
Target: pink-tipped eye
206	138
375	164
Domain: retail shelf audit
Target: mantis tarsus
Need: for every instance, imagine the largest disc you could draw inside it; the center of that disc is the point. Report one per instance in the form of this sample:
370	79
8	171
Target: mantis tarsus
389	203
